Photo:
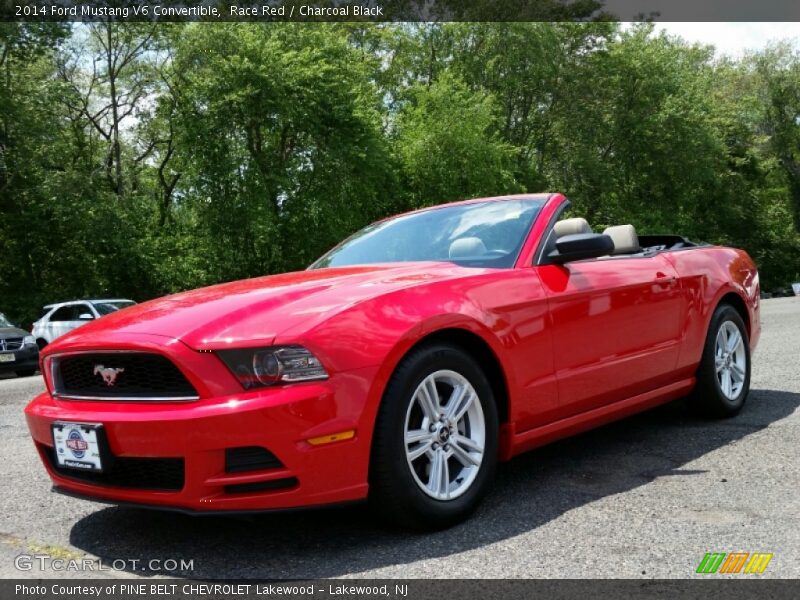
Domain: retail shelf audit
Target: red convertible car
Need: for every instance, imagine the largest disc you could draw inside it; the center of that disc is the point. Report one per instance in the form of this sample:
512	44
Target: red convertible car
400	367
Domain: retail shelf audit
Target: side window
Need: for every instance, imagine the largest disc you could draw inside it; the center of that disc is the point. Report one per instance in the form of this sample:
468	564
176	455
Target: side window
82	309
62	314
549	243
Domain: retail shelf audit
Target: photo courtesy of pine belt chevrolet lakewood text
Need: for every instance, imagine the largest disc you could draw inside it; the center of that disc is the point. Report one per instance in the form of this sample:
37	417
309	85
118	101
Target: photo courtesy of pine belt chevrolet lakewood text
400	367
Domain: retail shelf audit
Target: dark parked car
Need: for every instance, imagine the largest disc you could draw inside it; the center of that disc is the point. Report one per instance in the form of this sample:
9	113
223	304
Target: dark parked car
18	350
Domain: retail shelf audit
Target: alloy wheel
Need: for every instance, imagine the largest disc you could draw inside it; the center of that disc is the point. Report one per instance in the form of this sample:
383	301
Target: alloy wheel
730	360
445	435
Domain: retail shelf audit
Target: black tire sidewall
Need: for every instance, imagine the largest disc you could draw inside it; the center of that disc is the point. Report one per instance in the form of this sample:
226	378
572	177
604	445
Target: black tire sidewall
392	478
713	401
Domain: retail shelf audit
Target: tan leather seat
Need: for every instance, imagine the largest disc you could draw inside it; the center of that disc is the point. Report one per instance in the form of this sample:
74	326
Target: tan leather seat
625	239
571	227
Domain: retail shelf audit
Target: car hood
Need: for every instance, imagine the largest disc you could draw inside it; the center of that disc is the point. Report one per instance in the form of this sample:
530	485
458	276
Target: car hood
255	311
12	332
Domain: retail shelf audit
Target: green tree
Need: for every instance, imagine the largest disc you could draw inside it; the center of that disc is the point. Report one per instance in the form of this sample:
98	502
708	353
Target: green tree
29	125
283	130
778	71
448	146
533	70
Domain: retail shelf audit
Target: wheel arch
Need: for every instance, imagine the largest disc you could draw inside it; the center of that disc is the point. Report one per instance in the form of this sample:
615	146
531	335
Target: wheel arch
733	299
479	349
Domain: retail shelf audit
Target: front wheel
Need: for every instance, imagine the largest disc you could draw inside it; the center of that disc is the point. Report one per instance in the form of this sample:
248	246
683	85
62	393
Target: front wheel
435	441
723	379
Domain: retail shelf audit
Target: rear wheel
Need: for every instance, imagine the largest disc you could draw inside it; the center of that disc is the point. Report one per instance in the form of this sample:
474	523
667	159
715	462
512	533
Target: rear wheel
435	441
723	379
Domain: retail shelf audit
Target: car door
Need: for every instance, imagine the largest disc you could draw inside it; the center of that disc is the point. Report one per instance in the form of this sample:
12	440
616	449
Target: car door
59	322
616	327
81	309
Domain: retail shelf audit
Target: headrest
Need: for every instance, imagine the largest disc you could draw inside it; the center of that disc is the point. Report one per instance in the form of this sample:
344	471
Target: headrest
468	247
571	227
625	239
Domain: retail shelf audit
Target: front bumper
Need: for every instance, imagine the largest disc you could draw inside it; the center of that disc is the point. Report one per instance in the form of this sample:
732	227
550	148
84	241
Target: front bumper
25	358
279	419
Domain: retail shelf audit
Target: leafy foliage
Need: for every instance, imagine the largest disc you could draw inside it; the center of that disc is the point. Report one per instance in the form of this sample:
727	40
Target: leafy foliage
449	144
141	160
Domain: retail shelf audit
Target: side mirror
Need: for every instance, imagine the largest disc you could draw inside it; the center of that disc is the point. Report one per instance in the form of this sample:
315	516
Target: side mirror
85	317
581	246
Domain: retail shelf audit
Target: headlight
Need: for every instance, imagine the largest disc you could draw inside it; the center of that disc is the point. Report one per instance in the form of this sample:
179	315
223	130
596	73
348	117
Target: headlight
259	367
29	340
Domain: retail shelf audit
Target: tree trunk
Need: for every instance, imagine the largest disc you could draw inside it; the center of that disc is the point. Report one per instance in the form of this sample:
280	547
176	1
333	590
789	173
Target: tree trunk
112	82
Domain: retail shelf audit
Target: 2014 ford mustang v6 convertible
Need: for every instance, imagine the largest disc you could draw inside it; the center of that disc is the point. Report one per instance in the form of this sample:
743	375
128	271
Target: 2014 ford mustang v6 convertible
401	366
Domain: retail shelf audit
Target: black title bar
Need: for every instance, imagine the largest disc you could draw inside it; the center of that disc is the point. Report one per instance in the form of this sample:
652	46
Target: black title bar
398	10
394	589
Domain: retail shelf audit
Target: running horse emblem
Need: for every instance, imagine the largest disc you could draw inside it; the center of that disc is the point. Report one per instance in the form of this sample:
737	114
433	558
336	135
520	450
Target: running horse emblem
108	374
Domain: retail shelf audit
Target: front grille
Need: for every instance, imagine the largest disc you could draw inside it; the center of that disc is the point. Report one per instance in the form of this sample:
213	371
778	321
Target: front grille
121	375
163	474
250	458
11	344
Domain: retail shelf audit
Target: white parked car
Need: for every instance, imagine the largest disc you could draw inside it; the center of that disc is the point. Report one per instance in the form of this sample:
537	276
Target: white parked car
63	317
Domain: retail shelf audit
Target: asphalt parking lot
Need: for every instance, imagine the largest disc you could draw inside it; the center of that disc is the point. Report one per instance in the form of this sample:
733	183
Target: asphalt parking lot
644	497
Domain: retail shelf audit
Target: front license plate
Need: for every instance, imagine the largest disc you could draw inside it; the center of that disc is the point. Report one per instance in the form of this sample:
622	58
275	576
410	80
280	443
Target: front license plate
77	446
7	358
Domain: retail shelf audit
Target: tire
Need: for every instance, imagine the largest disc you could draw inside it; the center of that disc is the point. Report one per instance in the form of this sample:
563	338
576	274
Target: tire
404	487
25	372
723	378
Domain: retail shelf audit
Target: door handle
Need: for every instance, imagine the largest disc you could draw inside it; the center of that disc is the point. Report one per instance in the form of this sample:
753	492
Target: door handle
665	280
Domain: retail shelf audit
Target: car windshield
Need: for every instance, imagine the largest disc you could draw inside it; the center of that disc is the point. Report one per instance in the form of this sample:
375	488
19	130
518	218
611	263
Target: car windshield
104	308
482	234
5	322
